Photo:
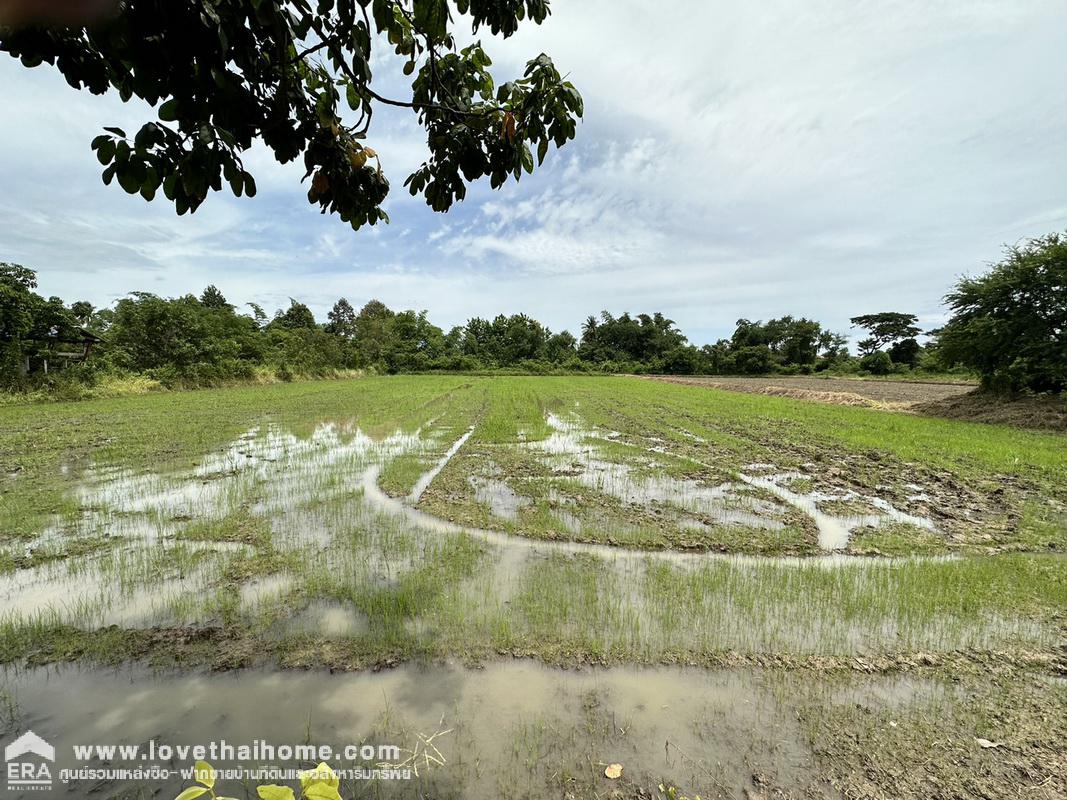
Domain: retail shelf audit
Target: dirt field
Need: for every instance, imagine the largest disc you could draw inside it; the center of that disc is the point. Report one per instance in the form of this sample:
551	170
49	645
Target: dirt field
950	400
848	391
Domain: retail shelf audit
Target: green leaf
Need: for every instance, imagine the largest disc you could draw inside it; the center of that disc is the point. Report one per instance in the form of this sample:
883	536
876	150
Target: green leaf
322	791
250	185
168	112
205	773
116	131
192	793
128	181
322	775
431	17
105	154
383	13
273	792
527	159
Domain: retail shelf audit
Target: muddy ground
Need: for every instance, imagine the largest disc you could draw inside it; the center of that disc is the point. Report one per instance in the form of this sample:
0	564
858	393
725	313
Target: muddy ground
962	401
900	393
562	574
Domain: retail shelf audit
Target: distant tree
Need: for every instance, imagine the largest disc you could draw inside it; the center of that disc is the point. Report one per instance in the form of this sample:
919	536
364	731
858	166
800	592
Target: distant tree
18	301
342	319
226	75
412	343
833	346
18	276
517	338
748	334
561	347
877	363
685	360
789	343
868	346
906	352
82	311
751	360
1010	325
372	332
717	358
181	338
795	342
19	307
258	314
885	328
625	338
213	298
296	316
589	329
454	341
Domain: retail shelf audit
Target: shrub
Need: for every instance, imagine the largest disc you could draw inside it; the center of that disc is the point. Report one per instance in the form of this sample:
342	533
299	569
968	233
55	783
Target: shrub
877	363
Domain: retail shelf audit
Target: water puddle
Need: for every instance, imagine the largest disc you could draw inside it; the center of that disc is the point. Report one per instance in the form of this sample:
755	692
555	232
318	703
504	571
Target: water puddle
834	530
326	620
571	451
343	541
423	483
503	501
515	727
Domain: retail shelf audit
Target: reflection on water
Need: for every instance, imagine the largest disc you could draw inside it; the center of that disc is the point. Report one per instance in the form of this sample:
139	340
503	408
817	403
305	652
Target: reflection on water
514	729
297	534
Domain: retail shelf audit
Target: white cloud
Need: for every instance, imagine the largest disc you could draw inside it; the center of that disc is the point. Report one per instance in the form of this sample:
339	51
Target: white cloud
737	159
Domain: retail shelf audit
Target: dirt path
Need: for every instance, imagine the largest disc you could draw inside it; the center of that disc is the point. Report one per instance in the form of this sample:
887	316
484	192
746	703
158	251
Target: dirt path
844	391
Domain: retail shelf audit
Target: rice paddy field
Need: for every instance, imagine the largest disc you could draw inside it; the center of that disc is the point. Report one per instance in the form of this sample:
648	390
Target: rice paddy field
730	595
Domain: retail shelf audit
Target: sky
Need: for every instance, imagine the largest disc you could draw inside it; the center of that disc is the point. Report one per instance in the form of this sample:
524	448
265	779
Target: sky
737	159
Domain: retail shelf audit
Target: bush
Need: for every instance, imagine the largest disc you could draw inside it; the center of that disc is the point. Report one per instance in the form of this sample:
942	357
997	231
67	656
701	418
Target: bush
906	352
877	363
682	361
753	360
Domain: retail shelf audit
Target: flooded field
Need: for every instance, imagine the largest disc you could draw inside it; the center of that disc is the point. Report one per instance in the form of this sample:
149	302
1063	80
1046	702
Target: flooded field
474	537
515	728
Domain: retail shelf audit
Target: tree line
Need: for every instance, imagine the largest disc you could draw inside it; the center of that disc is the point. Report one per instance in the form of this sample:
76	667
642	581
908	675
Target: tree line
1008	326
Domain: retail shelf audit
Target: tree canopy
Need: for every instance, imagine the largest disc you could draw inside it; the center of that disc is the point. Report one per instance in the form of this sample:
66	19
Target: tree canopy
885	328
1010	325
204	339
297	76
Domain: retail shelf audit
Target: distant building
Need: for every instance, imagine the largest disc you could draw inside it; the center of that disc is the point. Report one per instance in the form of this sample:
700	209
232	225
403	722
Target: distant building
57	350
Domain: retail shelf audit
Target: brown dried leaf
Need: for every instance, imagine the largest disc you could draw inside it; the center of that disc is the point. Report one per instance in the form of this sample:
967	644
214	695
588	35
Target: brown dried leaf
320	184
507	127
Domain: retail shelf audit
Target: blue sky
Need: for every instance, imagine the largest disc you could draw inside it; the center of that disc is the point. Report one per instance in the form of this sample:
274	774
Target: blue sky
736	160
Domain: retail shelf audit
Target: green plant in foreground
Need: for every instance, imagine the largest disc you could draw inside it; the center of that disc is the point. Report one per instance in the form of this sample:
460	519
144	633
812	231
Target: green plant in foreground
320	783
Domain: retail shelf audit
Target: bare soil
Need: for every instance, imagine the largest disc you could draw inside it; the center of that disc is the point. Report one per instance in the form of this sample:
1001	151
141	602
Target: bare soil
840	391
961	401
1046	413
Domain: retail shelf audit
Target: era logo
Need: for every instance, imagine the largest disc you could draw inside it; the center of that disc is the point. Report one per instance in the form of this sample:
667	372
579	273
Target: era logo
24	773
